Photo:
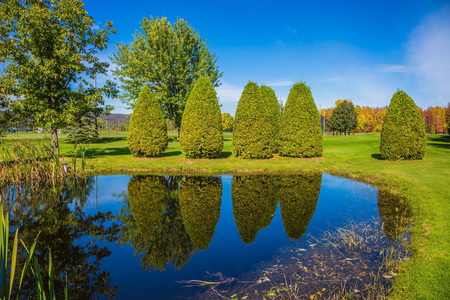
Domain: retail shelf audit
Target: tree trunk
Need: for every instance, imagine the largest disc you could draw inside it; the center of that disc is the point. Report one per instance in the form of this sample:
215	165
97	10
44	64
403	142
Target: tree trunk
55	144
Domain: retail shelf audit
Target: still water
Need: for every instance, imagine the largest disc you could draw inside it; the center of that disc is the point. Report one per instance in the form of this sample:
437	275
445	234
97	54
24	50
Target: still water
175	237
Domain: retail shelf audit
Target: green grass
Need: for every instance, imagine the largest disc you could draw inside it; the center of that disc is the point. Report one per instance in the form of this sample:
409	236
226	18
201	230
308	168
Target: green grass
425	183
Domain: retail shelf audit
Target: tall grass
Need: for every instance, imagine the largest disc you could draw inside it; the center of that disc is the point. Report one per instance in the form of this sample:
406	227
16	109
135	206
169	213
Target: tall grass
8	264
27	161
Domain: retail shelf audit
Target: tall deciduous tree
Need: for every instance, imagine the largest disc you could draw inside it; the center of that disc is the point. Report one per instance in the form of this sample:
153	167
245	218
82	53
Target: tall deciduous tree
47	47
167	57
344	117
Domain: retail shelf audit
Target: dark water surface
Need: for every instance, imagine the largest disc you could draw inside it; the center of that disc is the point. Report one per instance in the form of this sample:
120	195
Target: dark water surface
147	237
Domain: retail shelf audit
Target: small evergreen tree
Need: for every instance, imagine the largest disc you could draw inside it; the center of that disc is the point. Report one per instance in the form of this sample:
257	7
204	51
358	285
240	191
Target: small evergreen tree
201	128
275	114
251	135
344	118
300	132
147	134
403	131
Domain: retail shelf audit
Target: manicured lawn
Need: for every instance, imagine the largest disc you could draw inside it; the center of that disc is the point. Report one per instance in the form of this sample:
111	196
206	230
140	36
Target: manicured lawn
425	183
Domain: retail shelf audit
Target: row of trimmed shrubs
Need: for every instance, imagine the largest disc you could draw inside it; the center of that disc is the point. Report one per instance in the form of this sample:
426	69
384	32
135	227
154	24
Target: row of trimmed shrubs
259	127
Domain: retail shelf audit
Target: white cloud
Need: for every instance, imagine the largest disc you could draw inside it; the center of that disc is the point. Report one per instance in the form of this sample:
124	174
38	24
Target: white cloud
95	27
428	55
393	68
229	95
330	79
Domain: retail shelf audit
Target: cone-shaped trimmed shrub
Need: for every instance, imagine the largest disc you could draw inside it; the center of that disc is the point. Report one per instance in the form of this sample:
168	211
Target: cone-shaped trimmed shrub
147	134
251	133
201	127
300	131
275	114
200	199
403	131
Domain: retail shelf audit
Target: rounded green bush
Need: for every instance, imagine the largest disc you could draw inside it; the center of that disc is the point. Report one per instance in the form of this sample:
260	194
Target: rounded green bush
298	196
403	131
200	199
300	132
275	114
251	134
147	133
201	127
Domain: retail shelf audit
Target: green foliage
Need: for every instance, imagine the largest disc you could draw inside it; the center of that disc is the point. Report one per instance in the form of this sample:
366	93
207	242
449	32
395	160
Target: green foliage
403	133
201	128
227	122
168	57
433	129
51	46
298	196
447	129
56	212
147	133
82	132
200	200
254	204
251	136
148	201
275	114
158	236
300	132
344	118
395	214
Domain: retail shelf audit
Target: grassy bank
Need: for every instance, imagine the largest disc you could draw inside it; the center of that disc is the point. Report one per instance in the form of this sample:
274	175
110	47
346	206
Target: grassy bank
424	182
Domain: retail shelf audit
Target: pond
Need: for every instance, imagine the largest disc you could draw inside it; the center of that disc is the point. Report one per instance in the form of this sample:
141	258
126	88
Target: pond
216	237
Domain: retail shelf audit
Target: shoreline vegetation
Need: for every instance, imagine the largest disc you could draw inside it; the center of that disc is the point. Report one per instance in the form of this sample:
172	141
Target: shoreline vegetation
423	182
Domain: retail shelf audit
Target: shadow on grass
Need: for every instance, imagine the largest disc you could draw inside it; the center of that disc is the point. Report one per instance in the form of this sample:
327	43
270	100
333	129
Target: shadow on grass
224	155
95	153
377	156
171	153
442	139
106	140
437	145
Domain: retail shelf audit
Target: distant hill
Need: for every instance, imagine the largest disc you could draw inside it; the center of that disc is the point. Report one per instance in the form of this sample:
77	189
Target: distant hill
114	118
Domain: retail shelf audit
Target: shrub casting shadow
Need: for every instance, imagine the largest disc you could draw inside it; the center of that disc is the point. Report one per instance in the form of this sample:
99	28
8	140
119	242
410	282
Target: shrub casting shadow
377	156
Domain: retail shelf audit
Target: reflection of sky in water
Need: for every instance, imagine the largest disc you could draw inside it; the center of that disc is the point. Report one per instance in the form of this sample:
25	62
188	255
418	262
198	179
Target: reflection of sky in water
340	201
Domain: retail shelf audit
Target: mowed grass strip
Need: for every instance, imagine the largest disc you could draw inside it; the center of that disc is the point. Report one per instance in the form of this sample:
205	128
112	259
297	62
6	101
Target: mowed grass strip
425	183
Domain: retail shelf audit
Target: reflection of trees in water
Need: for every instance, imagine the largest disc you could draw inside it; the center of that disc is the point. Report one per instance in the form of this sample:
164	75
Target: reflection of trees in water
152	223
200	199
254	204
395	214
55	212
298	196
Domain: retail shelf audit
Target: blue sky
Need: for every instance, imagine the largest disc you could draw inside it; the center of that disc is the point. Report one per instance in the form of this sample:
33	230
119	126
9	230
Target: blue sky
358	50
